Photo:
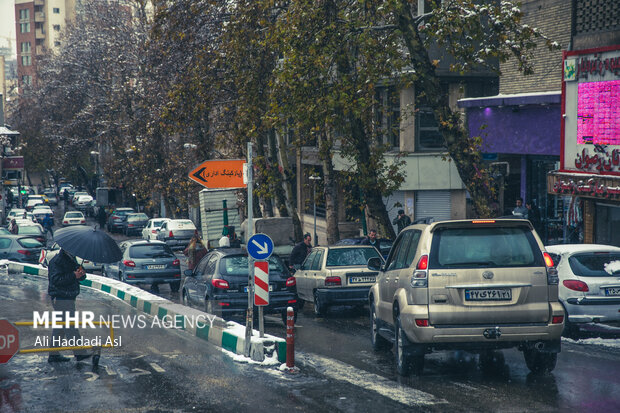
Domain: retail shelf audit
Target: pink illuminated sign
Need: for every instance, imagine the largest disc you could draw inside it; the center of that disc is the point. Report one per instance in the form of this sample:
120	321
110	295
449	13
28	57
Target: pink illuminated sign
598	113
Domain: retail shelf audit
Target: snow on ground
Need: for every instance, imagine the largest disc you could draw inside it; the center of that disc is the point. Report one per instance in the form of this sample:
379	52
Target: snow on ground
605	342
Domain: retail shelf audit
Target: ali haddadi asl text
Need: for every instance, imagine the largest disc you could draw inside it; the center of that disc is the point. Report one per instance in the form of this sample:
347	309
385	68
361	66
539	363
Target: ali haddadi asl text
97	341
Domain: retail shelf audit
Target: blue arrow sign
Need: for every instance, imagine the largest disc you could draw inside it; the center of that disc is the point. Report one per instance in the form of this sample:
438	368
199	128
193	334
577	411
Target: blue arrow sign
260	246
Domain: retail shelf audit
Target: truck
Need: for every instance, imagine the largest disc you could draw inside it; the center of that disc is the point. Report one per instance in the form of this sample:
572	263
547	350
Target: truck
213	204
279	229
109	196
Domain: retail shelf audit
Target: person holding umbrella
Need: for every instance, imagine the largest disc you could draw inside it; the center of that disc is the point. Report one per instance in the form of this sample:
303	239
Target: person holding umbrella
64	277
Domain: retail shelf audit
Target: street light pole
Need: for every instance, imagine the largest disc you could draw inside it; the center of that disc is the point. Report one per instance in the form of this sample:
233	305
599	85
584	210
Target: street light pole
314	178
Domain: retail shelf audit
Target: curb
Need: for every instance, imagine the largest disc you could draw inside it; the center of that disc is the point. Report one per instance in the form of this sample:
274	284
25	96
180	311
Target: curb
229	335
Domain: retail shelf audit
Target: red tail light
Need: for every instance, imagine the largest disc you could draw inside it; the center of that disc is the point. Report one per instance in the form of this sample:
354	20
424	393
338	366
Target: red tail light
557	319
333	280
576	285
421	322
224	304
422	263
154	231
170	234
292	301
24	252
83	222
548	260
291	281
221	284
65	222
129	263
130	225
176	263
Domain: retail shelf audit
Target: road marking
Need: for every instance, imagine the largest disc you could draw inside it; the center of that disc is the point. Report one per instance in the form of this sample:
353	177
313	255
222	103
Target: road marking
369	381
109	371
157	368
140	372
93	376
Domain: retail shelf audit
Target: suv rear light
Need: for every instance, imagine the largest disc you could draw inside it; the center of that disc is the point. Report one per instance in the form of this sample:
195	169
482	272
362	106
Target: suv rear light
483	221
332	281
420	275
291	282
421	322
129	263
576	285
176	262
221	284
557	319
24	252
170	234
548	259
552	272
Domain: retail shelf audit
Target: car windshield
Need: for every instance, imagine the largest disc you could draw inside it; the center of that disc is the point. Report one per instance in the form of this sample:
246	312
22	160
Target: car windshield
137	217
74	215
151	251
595	264
28	230
238	265
158	223
184	224
123	212
340	257
29	243
486	247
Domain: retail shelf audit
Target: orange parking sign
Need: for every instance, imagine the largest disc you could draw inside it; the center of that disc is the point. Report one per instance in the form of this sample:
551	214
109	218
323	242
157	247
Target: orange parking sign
219	174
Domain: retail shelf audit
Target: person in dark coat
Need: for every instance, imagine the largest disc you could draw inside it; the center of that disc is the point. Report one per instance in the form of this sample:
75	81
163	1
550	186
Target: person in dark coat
9	198
13	228
235	242
301	251
533	214
371	239
102	217
48	225
402	221
64	276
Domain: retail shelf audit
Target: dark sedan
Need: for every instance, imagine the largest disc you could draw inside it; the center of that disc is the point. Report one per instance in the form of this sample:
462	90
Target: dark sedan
20	248
219	284
117	218
146	262
134	223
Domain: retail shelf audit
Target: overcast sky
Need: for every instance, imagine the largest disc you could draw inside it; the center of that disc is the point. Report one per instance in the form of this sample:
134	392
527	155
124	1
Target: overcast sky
7	23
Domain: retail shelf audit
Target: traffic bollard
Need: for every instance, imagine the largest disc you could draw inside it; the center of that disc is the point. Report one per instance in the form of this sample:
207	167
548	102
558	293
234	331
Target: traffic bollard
290	338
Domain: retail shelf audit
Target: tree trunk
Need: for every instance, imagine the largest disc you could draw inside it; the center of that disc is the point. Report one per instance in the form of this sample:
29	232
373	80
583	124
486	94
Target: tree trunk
329	186
464	151
288	188
265	198
277	185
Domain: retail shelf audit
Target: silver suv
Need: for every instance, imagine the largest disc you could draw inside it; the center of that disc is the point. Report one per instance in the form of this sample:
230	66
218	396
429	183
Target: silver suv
476	285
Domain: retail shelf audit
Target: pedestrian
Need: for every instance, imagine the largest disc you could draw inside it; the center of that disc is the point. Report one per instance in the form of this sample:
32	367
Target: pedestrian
371	239
102	217
520	210
402	221
48	224
64	275
224	241
533	214
195	250
235	242
301	251
9	198
65	197
13	229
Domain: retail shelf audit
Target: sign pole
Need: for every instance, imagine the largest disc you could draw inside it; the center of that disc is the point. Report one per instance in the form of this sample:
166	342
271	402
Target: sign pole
250	232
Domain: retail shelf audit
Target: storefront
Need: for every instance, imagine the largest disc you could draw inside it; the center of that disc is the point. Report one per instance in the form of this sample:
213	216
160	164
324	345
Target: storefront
589	173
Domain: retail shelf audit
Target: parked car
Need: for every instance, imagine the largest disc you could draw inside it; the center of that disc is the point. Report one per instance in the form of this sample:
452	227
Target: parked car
476	285
91	209
73	218
29	228
4	231
32	203
219	284
76	195
65	186
48	253
15	213
82	202
384	244
52	199
116	218
149	232
134	223
177	233
336	275
146	262
20	248
589	286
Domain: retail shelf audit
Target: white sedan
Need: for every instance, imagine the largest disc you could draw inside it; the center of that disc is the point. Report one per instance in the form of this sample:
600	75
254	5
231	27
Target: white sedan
149	232
73	218
589	286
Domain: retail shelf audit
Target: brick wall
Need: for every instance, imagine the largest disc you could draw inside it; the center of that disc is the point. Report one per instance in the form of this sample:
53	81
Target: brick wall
553	19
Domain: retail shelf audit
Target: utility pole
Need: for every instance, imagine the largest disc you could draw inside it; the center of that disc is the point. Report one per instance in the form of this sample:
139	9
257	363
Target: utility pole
250	231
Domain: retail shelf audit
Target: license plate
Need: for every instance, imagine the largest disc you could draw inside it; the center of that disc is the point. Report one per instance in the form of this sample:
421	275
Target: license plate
362	279
155	267
489	294
612	291
245	289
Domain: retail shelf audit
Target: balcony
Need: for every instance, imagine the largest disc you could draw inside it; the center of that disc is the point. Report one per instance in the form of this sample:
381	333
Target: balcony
39	34
39	17
39	2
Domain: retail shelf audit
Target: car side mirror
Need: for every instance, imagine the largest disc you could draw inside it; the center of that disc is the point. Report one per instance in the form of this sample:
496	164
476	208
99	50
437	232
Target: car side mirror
188	273
374	264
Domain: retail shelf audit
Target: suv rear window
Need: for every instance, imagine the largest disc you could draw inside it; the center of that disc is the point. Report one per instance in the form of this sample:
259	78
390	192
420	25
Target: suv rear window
151	251
340	257
484	247
595	264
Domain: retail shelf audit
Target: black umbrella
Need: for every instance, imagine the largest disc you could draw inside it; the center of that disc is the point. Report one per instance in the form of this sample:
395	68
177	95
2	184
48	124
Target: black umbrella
88	243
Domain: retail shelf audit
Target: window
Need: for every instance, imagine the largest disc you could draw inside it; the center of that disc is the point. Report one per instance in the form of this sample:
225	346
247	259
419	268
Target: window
26	47
318	260
5	243
26	60
388	115
27	80
210	267
341	257
57	43
24	14
308	261
427	131
24	27
595	264
200	268
151	251
57	27
56	10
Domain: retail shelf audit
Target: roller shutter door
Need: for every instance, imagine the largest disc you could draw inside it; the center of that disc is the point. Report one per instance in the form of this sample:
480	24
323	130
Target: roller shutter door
434	204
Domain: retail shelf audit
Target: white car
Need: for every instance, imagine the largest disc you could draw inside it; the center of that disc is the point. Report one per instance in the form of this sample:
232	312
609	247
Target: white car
77	195
82	201
33	202
589	286
48	253
151	230
73	218
15	213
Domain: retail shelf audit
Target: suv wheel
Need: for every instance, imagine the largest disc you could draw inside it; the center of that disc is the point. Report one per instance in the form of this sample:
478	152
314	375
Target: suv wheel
539	362
405	362
319	307
378	342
